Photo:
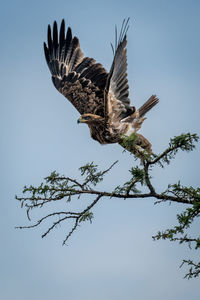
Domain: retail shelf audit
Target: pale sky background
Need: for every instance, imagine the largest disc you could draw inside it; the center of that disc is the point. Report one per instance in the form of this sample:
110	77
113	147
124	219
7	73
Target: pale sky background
115	257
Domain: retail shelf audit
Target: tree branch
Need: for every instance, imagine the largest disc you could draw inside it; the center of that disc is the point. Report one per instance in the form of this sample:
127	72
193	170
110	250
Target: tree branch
66	189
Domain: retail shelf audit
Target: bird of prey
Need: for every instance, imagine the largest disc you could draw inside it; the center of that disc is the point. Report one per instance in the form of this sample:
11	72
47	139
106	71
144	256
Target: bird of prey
101	98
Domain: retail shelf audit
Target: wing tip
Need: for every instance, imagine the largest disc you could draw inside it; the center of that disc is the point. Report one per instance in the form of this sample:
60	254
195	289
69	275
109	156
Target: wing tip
63	22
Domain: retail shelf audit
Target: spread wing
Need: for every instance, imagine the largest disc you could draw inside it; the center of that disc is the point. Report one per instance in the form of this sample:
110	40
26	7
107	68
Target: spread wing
80	79
117	103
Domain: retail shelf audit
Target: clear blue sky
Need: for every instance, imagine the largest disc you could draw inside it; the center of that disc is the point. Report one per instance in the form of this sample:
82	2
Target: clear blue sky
115	257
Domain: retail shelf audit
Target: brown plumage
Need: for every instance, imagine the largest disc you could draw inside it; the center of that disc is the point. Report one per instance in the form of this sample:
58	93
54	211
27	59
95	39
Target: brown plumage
101	98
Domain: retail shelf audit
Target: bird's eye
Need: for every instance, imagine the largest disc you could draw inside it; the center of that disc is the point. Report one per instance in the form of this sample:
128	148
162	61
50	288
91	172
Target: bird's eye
86	118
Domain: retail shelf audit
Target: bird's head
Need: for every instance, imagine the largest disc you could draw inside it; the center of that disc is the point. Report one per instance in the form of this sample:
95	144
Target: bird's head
90	119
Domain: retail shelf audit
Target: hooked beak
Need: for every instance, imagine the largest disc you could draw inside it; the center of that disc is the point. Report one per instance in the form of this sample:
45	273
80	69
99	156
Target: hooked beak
80	120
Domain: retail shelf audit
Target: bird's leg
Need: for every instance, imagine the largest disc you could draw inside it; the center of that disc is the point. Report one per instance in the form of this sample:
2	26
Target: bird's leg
137	144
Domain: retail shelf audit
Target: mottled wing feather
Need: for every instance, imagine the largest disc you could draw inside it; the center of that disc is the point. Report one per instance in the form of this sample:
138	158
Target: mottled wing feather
80	79
117	103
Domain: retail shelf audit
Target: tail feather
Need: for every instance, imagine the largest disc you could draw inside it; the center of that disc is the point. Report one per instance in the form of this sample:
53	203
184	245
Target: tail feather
149	104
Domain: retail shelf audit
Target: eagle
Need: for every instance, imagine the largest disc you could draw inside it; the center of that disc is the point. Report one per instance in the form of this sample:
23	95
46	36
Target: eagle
101	97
